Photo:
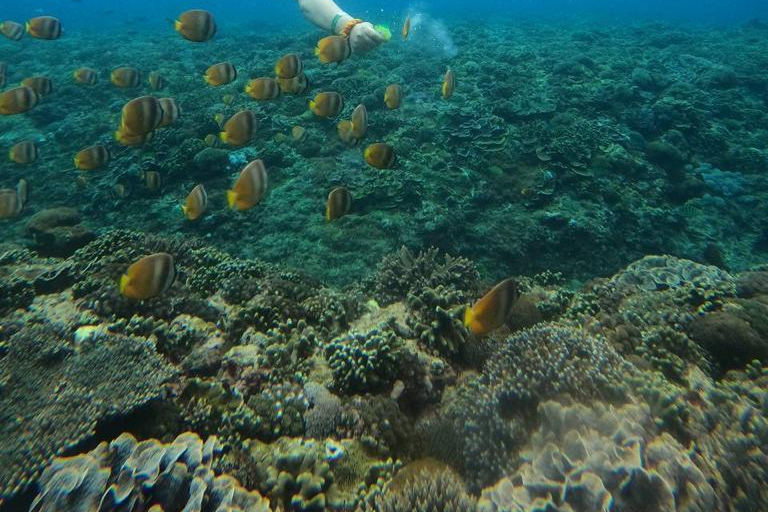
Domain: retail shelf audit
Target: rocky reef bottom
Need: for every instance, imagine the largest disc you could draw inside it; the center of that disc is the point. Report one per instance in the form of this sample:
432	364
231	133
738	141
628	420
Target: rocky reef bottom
248	386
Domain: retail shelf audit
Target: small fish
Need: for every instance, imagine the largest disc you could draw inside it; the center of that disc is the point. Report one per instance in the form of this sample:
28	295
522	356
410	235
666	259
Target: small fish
220	74
250	187
263	89
92	157
299	133
380	155
12	30
359	122
42	85
196	203
228	99
3	67
141	115
196	25
406	27
326	104
339	203
212	141
119	191
152	180
156	81
44	27
127	138
219	119
125	77
171	112
393	96
10	203
295	85
289	66
239	129
345	128
449	84
86	76
22	190
491	311
24	152
148	277
18	100
333	49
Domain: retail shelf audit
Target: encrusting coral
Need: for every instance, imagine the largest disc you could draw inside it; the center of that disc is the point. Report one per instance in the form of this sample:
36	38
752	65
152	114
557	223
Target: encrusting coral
55	392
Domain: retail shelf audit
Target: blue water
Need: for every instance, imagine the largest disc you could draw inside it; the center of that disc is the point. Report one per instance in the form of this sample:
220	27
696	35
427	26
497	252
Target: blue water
268	14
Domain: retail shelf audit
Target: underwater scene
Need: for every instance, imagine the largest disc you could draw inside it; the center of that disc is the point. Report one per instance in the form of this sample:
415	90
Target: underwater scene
383	256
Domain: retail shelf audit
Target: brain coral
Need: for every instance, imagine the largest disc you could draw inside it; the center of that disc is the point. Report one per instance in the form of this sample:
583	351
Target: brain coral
129	476
54	393
600	458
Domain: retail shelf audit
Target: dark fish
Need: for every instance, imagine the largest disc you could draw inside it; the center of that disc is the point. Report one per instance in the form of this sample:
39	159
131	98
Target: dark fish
339	203
196	25
380	155
171	112
263	89
17	100
24	152
10	203
85	76
42	85
333	49
449	84
326	104
295	85
491	311
249	188
156	81
289	66
220	74
125	76
359	122
238	130
393	96
12	30
44	27
148	277
141	115
196	203
92	157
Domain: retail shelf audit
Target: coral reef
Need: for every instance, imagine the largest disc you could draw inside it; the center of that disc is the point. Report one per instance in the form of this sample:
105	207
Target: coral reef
56	391
130	475
601	458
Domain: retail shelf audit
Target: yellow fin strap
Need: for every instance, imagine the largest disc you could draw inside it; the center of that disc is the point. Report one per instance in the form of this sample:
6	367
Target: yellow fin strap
349	26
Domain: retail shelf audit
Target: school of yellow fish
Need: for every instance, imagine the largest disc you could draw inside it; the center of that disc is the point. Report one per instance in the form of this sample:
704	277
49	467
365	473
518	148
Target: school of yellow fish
152	275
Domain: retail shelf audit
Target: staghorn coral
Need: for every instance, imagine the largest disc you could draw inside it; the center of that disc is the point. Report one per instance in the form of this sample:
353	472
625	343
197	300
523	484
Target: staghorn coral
435	315
55	393
433	489
601	458
404	272
128	475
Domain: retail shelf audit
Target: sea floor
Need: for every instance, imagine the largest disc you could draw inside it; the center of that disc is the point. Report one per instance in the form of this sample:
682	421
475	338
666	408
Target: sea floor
617	173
